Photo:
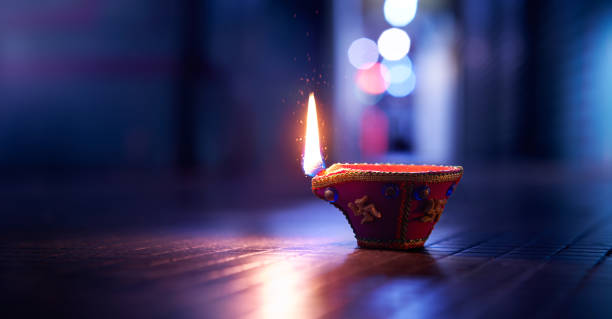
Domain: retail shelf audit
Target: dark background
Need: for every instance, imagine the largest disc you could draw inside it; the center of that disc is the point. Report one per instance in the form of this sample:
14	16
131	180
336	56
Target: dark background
122	114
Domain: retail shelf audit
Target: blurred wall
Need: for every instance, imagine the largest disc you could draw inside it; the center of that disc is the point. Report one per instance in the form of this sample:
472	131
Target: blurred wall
534	81
87	83
212	86
220	87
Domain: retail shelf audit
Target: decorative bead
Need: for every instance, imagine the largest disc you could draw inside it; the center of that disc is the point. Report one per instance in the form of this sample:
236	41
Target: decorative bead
421	193
330	194
450	190
390	191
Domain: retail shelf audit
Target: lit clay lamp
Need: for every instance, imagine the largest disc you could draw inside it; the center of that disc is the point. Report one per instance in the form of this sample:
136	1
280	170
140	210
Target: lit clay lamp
393	206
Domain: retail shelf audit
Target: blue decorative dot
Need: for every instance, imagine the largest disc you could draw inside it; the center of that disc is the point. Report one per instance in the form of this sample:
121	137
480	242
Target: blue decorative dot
421	193
390	191
450	190
330	194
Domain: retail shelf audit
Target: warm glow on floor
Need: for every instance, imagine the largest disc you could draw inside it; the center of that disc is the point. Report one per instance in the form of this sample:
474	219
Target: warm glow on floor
281	295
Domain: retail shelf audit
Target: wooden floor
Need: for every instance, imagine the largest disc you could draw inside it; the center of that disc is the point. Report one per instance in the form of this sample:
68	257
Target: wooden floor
538	250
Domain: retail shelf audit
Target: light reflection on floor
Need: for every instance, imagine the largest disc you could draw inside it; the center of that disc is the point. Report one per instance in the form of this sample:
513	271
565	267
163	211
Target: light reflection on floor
280	296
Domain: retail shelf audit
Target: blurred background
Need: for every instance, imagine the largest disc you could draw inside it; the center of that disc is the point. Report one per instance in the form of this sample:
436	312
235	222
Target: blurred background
148	113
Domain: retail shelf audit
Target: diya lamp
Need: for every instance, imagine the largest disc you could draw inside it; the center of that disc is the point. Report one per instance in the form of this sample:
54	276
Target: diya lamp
389	206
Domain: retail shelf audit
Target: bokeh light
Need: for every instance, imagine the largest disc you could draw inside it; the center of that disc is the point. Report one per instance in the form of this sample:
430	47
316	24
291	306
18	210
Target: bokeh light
374	80
363	53
399	13
399	70
403	88
374	137
393	44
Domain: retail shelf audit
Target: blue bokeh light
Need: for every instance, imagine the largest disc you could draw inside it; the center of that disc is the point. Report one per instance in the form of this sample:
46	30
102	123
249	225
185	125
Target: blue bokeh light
403	88
399	70
399	13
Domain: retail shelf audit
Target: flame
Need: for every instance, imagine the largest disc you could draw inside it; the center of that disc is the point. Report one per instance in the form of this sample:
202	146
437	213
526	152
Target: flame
313	161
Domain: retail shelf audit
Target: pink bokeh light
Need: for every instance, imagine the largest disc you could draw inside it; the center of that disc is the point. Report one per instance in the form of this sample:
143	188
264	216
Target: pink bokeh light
374	80
374	132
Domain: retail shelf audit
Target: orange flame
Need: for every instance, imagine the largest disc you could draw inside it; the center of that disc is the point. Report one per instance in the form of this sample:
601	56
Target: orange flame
312	161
